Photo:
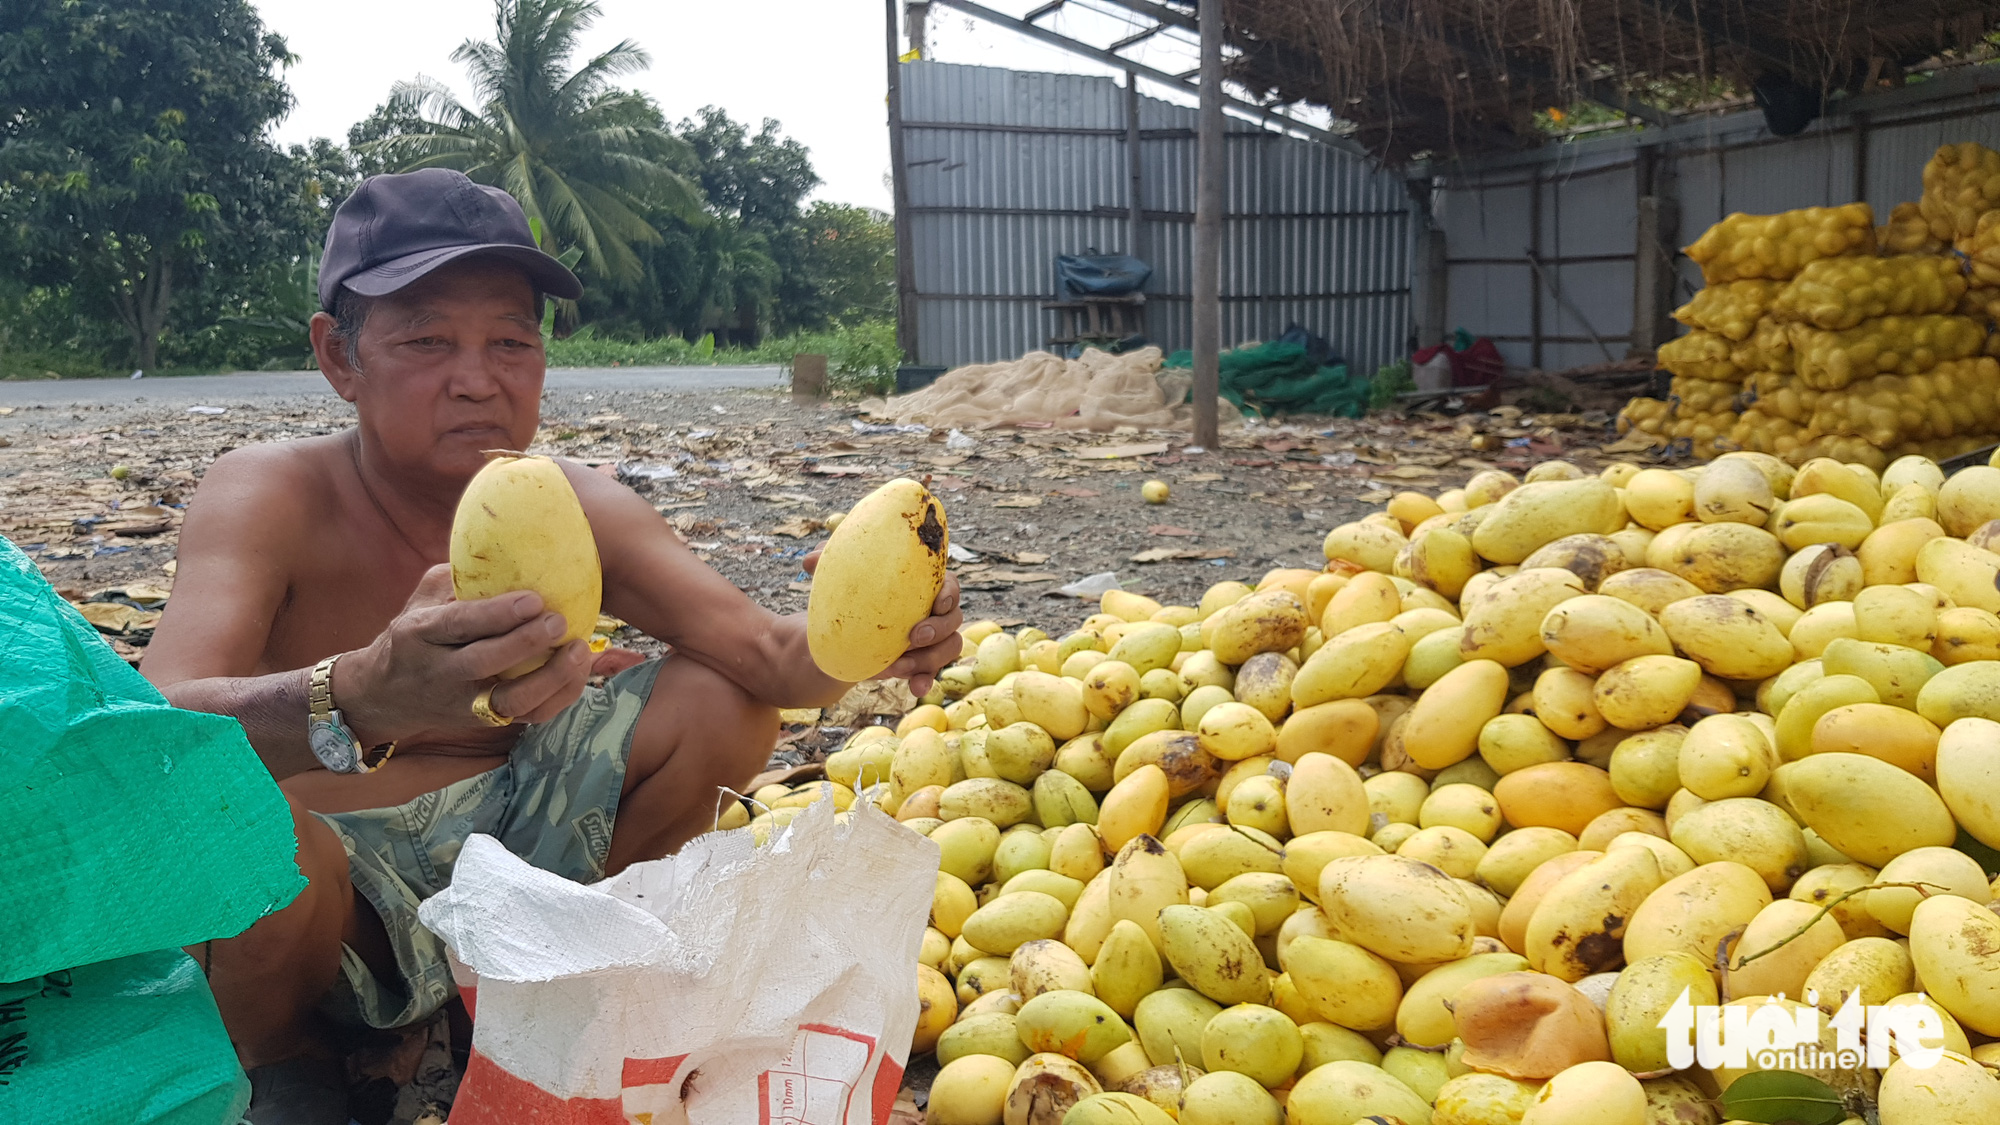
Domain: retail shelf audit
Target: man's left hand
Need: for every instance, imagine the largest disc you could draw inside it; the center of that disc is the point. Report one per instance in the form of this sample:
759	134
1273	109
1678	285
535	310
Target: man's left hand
934	643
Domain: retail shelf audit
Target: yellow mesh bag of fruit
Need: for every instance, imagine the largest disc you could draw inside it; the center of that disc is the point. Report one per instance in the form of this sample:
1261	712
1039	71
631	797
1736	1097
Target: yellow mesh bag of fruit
1950	447
1730	310
1646	415
1709	355
1982	248
1692	397
1840	293
1841	447
1768	349
1700	355
1961	183
1891	345
1779	246
1981	302
1908	232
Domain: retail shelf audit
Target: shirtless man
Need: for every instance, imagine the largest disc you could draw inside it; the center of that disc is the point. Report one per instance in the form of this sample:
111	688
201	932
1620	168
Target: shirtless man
313	592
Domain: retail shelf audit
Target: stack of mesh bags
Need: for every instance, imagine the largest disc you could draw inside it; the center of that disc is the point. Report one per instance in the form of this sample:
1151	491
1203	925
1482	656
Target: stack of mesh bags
1280	377
1818	334
1746	261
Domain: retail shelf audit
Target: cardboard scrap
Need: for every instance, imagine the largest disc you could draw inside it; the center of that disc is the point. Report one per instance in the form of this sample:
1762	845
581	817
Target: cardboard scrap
1165	554
865	701
119	618
1114	452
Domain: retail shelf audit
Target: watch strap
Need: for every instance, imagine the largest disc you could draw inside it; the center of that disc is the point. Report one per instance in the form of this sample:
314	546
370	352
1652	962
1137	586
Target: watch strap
319	690
322	713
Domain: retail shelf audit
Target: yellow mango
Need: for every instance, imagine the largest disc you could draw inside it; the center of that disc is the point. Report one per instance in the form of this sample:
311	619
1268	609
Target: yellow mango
519	526
878	576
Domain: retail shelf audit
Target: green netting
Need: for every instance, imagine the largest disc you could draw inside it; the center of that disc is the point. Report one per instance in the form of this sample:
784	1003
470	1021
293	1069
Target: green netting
131	825
132	828
1280	378
135	1040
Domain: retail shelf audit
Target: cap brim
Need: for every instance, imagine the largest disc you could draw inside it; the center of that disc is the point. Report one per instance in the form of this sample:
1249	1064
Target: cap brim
549	276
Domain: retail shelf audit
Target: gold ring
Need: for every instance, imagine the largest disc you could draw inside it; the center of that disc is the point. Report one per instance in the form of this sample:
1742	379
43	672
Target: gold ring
482	709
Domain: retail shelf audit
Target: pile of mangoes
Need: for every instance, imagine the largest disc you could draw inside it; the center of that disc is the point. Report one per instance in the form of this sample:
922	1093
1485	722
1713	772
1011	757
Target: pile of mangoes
1438	834
1798	304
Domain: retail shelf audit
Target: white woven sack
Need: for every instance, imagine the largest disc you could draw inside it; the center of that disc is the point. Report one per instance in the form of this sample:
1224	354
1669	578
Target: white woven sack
725	985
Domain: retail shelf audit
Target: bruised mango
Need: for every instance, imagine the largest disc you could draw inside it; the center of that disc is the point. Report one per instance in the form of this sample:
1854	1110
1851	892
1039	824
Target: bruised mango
878	576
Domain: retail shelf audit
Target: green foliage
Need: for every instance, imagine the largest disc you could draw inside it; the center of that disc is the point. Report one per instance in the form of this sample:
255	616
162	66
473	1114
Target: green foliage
585	158
145	222
1783	1096
1390	381
846	266
755	261
761	180
585	348
44	336
133	169
861	358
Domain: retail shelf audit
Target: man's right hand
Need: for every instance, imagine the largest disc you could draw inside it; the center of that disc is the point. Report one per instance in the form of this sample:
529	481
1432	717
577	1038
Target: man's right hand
423	672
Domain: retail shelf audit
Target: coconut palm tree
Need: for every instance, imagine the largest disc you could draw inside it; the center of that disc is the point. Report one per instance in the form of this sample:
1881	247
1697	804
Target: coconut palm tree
585	159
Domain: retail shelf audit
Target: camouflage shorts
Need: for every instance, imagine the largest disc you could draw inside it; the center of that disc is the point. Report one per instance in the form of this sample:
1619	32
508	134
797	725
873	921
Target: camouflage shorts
552	804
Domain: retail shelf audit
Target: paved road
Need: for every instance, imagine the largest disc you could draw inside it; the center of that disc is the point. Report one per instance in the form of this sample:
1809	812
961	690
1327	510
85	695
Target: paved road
255	386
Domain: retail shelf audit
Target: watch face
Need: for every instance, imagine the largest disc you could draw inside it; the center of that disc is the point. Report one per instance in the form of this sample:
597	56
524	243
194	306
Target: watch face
334	747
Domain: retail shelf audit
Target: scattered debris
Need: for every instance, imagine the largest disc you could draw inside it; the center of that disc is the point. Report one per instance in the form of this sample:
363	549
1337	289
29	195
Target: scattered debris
748	487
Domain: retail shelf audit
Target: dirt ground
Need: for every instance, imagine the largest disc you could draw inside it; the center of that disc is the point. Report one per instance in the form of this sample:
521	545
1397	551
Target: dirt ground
96	493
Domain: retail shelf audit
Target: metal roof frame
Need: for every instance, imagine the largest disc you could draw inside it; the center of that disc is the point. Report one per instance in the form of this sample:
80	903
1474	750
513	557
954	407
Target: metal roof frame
1163	17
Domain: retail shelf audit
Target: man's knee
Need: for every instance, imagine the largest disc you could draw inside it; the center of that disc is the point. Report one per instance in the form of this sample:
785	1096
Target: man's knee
751	726
698	733
268	978
695	707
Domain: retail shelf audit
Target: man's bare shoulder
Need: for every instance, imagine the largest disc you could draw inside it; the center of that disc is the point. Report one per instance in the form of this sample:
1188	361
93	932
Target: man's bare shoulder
274	485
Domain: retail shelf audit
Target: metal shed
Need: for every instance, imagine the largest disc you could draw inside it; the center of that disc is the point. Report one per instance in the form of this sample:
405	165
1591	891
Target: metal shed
1569	254
1007	169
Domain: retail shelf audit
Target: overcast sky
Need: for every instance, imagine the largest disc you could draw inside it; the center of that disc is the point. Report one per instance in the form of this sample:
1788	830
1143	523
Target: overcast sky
815	65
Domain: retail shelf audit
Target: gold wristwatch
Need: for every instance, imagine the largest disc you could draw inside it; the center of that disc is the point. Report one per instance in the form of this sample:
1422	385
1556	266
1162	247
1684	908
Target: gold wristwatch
332	741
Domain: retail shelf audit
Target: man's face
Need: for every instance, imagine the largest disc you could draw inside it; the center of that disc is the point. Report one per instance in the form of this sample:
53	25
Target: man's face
450	367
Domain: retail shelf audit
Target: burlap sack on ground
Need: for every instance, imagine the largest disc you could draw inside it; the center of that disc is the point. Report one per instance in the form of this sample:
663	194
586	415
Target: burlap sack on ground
1099	391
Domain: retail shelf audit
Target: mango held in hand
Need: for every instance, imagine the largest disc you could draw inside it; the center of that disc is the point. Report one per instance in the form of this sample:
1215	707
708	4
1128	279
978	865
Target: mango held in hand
880	573
519	527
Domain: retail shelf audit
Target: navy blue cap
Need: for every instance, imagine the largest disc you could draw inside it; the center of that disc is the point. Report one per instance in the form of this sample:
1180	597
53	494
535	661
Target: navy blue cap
395	229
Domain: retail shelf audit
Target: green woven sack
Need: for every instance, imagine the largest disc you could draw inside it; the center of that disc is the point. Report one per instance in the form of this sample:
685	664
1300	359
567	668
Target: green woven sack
132	829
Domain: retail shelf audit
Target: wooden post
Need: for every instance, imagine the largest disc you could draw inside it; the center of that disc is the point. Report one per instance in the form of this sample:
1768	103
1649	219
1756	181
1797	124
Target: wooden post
1653	258
1534	275
1861	125
1207	287
1652	278
1430	280
919	12
808	377
906	266
1135	215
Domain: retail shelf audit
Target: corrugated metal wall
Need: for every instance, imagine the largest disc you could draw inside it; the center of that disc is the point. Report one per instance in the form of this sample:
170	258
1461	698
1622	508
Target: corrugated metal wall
1008	169
1577	205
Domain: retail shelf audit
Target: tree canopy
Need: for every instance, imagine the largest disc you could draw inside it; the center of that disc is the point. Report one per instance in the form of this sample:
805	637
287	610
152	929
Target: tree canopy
146	219
584	158
133	164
